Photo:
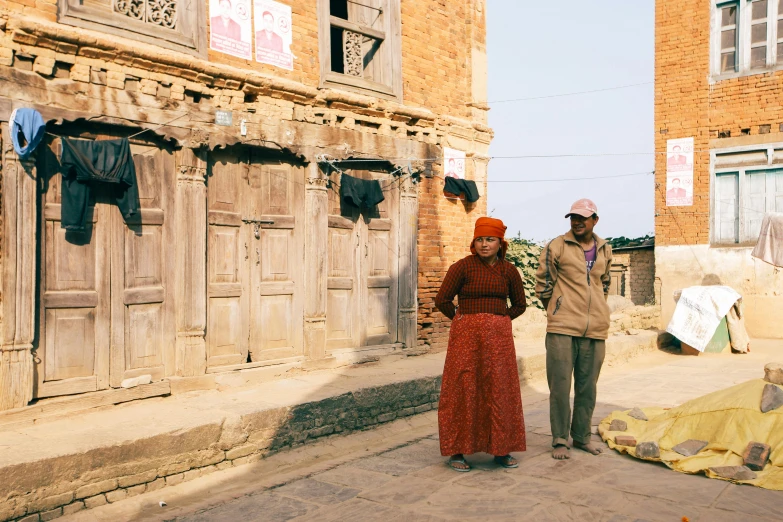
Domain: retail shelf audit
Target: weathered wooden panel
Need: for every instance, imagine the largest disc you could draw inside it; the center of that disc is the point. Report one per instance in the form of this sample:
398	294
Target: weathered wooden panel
143	313
228	253
74	294
71	260
225	330
339	317
276	258
145	341
70	343
143	260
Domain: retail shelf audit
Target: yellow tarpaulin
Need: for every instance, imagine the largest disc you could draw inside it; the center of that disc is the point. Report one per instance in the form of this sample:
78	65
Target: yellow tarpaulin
728	420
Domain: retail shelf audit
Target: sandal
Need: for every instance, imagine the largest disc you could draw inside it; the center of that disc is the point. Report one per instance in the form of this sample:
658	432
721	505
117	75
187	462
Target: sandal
460	460
507	461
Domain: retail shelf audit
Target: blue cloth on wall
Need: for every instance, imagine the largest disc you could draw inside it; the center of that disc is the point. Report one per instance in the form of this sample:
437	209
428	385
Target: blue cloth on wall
32	125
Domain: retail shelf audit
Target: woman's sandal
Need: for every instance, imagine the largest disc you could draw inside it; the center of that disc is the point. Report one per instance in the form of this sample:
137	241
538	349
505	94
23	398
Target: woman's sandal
462	460
507	461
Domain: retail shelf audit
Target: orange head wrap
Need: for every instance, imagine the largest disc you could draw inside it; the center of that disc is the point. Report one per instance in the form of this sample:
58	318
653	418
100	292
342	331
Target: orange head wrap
490	227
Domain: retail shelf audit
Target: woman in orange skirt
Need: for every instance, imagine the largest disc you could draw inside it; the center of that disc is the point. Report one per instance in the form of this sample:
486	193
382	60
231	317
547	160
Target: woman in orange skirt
481	401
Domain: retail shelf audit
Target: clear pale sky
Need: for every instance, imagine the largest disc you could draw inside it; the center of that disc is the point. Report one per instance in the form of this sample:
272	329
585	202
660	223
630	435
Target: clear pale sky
545	48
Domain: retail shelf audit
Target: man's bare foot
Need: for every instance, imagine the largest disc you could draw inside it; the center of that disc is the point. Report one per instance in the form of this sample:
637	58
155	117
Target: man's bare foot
589	447
560	453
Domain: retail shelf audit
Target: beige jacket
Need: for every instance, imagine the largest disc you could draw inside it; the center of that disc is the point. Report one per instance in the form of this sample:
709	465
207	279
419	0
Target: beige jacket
577	298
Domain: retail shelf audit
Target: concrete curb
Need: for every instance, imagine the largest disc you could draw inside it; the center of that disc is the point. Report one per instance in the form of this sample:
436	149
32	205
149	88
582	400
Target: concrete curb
194	436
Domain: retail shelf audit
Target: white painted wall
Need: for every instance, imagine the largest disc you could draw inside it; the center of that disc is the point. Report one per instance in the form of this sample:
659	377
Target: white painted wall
760	284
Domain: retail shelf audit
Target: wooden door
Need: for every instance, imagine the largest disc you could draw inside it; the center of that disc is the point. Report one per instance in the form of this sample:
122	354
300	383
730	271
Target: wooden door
228	255
273	222
255	259
143	322
342	286
104	310
380	266
74	305
362	288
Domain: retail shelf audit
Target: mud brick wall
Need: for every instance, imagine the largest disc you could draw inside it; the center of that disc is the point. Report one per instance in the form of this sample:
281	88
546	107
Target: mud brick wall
687	105
639	282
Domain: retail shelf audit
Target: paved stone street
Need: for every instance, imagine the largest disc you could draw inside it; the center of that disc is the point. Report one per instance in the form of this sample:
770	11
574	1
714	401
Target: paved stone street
395	472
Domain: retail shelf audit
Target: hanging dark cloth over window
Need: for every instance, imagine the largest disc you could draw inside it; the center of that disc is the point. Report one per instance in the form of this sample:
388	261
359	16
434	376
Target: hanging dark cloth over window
457	186
365	193
86	162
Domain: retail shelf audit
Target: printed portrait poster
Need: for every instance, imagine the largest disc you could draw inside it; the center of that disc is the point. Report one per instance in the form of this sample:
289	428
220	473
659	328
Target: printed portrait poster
230	27
454	163
679	172
273	33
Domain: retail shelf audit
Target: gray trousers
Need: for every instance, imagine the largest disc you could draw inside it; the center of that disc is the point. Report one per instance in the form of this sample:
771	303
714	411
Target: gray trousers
581	358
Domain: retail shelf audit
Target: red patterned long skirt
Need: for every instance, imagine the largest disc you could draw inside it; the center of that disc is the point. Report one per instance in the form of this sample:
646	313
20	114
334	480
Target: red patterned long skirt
480	400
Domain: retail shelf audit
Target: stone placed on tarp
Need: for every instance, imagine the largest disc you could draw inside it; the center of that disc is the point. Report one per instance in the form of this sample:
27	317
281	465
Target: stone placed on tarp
637	414
756	455
618	425
690	447
648	450
625	440
771	398
773	372
734	472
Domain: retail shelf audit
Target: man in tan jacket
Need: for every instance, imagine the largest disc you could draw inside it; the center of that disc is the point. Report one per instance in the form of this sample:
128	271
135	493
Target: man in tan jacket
573	284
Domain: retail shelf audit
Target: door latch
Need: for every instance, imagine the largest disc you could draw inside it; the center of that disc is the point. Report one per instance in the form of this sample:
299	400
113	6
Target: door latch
257	225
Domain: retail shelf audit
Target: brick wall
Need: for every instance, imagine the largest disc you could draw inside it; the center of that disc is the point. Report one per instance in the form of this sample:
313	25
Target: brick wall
717	114
436	44
445	231
638	280
687	105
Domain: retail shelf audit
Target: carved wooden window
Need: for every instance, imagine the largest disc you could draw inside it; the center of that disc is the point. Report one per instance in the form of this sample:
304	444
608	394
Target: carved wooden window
360	46
174	24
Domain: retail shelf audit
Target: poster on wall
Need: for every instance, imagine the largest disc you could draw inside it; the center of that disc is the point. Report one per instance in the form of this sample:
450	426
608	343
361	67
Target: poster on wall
679	172
273	33
230	29
454	163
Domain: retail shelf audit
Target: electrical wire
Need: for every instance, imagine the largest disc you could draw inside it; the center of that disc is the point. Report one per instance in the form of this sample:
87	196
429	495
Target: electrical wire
561	95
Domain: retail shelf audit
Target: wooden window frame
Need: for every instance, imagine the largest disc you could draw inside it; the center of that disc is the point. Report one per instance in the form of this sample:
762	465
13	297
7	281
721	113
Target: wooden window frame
772	162
744	25
188	37
390	54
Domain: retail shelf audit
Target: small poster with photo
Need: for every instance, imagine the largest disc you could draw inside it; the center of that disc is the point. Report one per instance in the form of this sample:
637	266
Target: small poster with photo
230	27
679	172
453	163
273	33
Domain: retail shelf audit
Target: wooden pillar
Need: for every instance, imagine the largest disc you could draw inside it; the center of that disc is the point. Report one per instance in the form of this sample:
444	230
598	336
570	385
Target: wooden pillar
316	256
408	269
18	277
191	278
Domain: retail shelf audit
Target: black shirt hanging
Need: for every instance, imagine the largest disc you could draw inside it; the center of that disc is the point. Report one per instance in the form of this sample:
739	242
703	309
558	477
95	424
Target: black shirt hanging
459	186
85	162
360	193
